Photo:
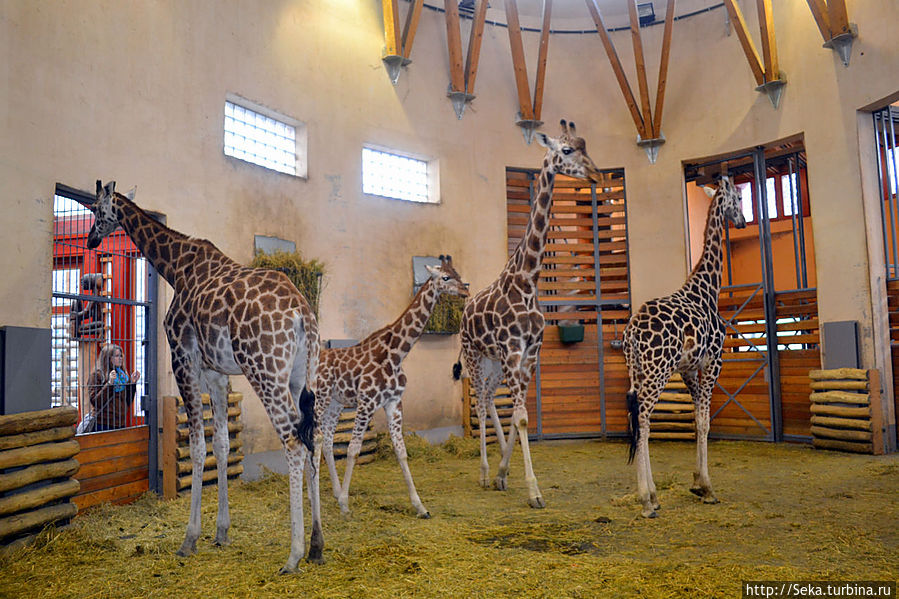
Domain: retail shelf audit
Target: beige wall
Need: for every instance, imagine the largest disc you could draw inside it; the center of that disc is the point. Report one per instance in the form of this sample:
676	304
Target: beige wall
134	91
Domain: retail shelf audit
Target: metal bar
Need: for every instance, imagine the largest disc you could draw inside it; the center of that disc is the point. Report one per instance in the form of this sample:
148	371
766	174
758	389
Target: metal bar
879	124
891	191
770	309
887	197
795	220
151	373
597	279
104	299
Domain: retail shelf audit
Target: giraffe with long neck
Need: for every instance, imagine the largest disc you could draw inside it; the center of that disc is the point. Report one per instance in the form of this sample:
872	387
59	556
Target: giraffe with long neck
227	319
502	325
682	332
369	376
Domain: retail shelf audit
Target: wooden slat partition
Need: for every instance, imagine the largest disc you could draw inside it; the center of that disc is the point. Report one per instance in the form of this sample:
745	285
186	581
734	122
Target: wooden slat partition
574	378
344	433
37	464
893	307
470	425
114	466
845	410
800	351
673	415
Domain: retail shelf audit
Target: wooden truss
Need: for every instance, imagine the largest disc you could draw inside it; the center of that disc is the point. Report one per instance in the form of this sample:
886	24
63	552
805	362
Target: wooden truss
768	76
529	112
649	128
461	87
833	22
398	47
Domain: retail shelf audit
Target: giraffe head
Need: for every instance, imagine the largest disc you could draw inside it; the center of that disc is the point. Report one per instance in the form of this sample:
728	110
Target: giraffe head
446	279
106	215
567	154
728	197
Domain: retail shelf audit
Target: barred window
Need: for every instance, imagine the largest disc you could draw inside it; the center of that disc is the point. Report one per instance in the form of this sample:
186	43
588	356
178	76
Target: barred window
392	175
261	136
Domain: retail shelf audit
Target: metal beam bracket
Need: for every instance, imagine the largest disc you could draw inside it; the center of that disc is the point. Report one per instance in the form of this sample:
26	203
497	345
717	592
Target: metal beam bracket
774	89
651	146
842	43
393	63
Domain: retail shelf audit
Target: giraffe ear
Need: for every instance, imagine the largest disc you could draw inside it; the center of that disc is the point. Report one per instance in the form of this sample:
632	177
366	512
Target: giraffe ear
433	270
709	191
130	193
543	140
99	187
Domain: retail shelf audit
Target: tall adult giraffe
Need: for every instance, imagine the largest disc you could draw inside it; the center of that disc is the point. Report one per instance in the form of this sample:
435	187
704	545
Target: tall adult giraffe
227	319
682	332
502	326
369	376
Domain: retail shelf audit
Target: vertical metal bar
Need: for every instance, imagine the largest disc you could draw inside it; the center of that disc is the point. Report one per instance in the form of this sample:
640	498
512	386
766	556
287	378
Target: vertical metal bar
597	281
800	203
888	196
879	124
150	365
770	308
892	193
795	220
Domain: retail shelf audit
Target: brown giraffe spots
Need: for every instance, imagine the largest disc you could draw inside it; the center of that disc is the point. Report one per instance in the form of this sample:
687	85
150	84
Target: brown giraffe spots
210	290
684	333
369	375
502	328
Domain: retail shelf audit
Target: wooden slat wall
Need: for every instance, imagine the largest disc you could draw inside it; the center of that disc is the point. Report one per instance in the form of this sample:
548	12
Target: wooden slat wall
893	306
795	363
114	466
570	373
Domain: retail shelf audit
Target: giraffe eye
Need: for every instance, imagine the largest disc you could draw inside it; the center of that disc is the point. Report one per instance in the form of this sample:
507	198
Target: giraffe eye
566	150
445	278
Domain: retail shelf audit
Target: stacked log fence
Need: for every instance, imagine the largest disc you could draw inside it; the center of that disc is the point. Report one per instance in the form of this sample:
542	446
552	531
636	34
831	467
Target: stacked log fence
846	410
37	465
176	463
503	402
673	415
344	433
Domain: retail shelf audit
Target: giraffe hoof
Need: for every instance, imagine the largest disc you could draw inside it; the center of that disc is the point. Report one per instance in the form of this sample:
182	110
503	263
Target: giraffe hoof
649	514
537	502
710	499
698	491
286	569
424	515
315	557
222	542
485	482
500	483
188	548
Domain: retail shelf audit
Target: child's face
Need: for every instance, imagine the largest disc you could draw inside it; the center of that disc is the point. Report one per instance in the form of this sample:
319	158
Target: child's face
117	359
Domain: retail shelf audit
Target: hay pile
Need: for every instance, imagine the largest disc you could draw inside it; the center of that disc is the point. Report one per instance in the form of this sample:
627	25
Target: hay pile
787	513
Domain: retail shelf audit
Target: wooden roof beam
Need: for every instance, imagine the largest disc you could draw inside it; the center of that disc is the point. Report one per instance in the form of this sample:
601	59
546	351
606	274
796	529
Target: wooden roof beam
641	70
615	62
839	17
454	45
541	59
769	42
412	18
833	23
739	23
822	17
663	68
474	44
517	48
391	27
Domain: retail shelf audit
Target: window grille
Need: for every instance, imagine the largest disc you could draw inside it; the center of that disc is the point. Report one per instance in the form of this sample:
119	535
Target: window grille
260	139
392	175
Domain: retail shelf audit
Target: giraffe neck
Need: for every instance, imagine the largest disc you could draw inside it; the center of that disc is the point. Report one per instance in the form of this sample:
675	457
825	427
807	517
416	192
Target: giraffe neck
705	280
528	256
166	249
411	324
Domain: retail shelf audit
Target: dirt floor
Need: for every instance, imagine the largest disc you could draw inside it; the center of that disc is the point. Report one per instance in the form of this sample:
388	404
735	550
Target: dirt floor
787	512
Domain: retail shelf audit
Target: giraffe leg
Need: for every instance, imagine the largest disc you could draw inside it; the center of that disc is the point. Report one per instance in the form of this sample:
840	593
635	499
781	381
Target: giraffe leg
221	446
187	377
518	375
394	411
648	394
328	425
493	376
476	366
701	391
502	473
317	539
296	456
355	446
482	426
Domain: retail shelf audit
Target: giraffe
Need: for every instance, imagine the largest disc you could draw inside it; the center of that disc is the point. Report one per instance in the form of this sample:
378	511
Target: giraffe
682	332
502	326
228	319
369	376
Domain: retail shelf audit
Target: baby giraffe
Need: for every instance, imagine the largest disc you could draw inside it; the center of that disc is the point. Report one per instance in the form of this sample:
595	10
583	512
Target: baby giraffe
370	375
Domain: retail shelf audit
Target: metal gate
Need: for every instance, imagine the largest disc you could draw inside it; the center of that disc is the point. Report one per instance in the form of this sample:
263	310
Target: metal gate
102	307
765	297
584	292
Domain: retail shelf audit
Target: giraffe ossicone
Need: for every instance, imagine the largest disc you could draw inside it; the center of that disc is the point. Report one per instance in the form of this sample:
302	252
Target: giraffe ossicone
227	319
682	332
502	325
369	376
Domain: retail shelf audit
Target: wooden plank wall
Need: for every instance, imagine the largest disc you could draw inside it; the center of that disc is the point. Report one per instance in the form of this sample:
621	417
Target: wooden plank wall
797	330
893	306
569	374
114	466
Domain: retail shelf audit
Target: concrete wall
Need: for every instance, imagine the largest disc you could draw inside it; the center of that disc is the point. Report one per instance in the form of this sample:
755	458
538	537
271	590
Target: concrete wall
135	92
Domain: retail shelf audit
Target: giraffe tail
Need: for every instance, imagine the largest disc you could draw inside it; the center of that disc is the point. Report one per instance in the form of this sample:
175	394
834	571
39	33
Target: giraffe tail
457	367
306	426
633	425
